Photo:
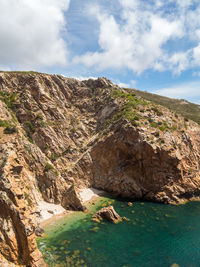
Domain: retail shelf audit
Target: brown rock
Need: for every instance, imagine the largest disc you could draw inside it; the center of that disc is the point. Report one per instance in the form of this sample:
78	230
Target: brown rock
71	199
39	231
109	214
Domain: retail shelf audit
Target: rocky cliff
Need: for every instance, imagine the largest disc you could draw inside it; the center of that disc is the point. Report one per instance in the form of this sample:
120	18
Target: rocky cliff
59	134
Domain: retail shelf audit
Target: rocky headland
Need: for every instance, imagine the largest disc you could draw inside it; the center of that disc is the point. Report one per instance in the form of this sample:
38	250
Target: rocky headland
60	135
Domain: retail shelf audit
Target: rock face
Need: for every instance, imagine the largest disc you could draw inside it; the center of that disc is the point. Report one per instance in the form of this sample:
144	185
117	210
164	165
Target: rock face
127	164
72	200
67	134
109	214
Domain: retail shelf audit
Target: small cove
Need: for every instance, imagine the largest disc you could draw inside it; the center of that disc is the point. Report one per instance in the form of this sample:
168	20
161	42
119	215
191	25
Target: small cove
156	235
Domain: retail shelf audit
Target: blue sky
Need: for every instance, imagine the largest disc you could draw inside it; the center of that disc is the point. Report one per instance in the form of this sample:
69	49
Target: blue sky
151	45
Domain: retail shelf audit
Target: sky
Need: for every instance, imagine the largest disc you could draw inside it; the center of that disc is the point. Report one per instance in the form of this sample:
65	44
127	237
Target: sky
151	45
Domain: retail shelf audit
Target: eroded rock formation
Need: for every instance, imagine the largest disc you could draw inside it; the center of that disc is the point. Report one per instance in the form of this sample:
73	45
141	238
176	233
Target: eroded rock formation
59	134
109	214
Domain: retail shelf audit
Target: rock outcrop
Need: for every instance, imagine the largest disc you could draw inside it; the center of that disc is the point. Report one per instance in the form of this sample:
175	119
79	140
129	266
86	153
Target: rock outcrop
109	214
58	135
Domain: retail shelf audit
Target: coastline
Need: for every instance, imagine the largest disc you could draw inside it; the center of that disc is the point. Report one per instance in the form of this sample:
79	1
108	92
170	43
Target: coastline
88	196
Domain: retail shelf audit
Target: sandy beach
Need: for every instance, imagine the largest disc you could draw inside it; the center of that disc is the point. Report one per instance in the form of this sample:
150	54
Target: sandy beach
50	211
87	194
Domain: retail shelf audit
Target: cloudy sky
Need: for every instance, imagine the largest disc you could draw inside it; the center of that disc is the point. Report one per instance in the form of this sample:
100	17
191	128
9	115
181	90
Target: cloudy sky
151	45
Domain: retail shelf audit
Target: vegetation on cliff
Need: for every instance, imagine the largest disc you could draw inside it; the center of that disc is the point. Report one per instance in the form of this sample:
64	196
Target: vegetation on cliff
58	134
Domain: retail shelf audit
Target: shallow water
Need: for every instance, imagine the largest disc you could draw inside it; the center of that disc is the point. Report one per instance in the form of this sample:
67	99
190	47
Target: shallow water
156	235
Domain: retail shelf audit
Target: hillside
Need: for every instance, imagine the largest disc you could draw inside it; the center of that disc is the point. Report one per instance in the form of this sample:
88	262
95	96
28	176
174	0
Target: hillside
188	110
58	135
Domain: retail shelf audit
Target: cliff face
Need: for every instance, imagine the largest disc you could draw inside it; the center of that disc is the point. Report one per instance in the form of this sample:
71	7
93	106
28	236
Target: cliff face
59	134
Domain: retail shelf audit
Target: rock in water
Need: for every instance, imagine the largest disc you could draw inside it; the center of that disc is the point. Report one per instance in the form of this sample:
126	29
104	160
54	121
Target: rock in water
109	214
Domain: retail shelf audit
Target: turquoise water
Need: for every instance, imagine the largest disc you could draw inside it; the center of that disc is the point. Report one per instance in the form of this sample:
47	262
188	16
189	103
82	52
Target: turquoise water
155	236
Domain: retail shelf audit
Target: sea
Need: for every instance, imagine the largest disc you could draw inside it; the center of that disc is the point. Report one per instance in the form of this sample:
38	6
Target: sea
155	235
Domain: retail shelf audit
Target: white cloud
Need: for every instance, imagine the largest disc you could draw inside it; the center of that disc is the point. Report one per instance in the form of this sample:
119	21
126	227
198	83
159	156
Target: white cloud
137	39
196	73
189	91
30	33
178	62
133	83
5	68
82	78
123	85
196	54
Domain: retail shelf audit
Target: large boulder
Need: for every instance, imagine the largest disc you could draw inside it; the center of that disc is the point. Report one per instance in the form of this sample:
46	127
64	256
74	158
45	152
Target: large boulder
109	214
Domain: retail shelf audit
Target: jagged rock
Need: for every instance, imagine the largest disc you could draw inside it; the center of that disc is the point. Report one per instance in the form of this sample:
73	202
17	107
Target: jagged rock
109	214
99	83
71	200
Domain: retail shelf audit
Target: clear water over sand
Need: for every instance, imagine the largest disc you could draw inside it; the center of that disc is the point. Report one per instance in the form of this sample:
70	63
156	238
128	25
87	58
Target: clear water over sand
155	236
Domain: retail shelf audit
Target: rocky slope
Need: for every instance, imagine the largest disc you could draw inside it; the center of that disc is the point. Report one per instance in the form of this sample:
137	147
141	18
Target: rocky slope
185	108
59	134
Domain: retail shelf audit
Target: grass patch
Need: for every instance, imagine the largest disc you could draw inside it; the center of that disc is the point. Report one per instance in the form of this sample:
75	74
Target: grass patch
30	126
9	127
73	130
54	156
8	98
5	123
154	124
49	167
130	97
27	148
184	108
162	128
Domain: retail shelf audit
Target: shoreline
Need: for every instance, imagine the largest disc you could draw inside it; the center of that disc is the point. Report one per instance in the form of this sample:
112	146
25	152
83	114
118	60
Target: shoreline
88	197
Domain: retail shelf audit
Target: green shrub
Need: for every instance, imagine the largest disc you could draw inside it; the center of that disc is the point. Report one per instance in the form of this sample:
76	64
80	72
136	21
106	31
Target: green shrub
54	157
150	120
56	172
128	96
162	128
30	126
73	130
157	111
8	98
10	130
153	124
134	123
39	117
48	167
27	148
173	128
4	123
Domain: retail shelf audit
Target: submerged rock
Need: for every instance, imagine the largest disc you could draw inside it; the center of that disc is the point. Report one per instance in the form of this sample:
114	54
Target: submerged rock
109	214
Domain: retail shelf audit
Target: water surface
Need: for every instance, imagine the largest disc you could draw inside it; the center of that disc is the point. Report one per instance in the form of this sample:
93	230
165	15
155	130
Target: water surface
156	235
